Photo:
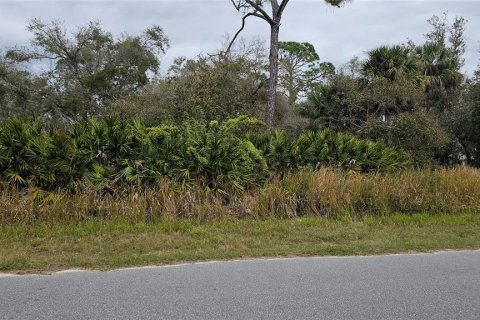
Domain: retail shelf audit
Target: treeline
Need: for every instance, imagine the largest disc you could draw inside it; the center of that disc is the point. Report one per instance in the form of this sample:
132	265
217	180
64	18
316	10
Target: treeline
412	96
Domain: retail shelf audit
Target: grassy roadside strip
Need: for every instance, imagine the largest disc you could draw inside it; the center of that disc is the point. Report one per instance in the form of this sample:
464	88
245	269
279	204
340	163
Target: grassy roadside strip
97	245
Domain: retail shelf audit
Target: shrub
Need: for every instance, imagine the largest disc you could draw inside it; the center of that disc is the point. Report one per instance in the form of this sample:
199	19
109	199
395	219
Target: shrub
111	154
326	148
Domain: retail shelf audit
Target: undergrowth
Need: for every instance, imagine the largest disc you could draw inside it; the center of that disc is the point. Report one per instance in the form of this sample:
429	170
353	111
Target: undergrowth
110	154
325	192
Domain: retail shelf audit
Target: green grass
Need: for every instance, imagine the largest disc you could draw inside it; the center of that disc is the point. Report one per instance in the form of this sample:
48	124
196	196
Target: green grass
97	245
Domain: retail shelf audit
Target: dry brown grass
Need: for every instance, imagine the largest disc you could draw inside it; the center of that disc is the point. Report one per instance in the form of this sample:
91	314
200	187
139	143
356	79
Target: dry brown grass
325	192
336	193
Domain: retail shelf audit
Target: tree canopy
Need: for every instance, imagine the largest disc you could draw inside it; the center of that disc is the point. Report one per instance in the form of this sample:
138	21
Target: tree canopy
89	67
257	8
300	69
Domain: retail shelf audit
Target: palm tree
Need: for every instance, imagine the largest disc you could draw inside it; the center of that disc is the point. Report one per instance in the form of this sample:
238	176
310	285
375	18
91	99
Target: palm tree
393	63
439	66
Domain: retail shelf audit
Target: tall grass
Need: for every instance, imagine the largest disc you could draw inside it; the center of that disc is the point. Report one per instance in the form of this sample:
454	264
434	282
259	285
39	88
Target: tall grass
326	192
338	193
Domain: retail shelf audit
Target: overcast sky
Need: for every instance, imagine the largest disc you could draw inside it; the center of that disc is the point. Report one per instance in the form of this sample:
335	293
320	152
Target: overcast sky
200	26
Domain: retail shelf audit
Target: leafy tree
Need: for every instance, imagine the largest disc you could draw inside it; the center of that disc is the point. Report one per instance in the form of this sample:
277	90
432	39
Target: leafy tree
417	133
454	33
408	95
347	104
435	64
379	109
257	8
90	67
20	91
208	88
441	75
335	105
300	69
462	121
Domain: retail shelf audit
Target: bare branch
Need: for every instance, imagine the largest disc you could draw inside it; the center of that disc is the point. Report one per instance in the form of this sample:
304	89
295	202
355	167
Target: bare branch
258	8
237	6
227	51
282	7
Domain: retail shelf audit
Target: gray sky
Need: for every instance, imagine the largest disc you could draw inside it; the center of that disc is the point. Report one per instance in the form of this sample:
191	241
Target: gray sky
199	26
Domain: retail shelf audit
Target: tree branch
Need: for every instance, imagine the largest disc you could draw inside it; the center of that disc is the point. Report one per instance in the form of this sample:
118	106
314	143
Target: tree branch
262	12
227	51
237	7
282	7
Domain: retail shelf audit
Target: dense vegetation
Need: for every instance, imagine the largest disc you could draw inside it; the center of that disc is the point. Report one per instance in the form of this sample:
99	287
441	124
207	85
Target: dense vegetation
324	193
67	134
110	154
413	96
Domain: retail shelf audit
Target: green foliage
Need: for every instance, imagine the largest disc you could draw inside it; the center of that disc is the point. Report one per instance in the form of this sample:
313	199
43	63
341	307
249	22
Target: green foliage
34	155
346	103
350	152
304	52
215	153
416	133
207	88
408	95
393	63
300	69
21	93
441	61
111	154
462	122
90	67
326	148
277	148
335	105
434	64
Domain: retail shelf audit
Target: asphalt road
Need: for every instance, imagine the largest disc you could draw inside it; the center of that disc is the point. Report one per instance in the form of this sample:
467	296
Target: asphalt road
443	285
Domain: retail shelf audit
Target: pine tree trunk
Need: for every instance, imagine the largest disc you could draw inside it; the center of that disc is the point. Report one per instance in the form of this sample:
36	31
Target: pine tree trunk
272	85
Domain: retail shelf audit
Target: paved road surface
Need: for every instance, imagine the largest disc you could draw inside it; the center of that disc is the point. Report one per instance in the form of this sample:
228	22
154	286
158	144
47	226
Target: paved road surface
443	285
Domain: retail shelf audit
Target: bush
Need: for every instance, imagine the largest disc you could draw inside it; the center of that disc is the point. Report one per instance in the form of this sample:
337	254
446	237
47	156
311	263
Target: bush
207	88
111	154
326	148
417	133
